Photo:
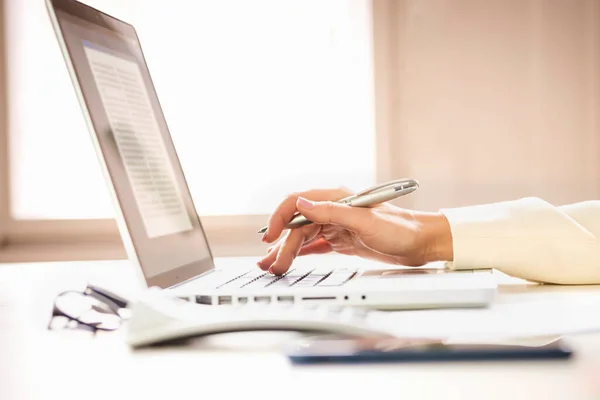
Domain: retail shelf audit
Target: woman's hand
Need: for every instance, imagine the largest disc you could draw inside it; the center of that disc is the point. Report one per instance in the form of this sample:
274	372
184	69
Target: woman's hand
384	233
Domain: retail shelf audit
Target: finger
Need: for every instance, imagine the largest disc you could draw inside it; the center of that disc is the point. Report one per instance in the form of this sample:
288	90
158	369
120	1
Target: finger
268	260
287	252
290	247
328	232
284	213
356	219
320	246
311	233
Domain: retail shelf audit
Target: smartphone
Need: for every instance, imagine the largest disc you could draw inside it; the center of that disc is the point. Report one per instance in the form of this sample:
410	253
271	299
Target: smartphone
377	350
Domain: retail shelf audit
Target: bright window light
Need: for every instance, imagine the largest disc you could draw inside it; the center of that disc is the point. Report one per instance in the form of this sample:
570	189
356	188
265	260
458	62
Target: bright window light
262	98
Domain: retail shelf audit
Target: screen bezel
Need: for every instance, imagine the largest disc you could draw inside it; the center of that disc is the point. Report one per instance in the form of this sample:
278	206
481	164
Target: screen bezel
182	273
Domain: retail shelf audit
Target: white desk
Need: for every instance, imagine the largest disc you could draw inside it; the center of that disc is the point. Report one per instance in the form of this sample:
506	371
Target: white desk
38	364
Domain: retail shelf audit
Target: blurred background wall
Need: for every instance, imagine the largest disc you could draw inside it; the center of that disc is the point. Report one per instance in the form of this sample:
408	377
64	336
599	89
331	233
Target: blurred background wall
497	99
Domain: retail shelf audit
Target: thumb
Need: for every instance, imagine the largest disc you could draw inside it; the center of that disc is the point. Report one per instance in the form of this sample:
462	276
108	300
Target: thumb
327	212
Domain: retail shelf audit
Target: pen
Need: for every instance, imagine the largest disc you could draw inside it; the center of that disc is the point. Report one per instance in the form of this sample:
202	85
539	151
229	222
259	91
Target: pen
374	196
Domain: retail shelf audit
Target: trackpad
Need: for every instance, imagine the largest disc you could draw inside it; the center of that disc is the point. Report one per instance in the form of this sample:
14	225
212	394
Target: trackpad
394	273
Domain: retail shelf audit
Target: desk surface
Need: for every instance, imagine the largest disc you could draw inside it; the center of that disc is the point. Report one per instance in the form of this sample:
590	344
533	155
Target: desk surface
39	364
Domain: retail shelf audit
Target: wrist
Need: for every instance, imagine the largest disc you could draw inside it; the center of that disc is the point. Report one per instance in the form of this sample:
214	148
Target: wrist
436	237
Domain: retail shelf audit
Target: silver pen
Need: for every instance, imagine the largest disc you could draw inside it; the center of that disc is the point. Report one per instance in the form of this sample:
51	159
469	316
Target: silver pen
370	197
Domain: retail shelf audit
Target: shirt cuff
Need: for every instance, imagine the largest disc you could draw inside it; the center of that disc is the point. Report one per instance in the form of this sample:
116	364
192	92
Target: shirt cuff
526	238
477	232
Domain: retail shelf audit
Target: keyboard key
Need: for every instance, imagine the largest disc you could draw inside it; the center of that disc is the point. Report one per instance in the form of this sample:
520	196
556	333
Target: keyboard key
255	273
290	277
298	272
234	281
336	279
285	281
321	272
261	282
308	281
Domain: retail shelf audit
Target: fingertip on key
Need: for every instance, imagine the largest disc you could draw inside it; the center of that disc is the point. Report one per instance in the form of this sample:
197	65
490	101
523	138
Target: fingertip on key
259	265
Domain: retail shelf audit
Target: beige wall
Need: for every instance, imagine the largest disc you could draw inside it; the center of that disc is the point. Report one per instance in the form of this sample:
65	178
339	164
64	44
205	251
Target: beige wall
496	99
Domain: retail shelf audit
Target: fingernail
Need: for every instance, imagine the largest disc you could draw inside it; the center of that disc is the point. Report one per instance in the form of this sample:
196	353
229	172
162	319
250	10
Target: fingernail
264	236
302	202
270	270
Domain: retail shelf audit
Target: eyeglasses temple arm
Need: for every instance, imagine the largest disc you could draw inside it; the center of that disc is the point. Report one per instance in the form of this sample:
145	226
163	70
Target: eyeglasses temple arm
120	301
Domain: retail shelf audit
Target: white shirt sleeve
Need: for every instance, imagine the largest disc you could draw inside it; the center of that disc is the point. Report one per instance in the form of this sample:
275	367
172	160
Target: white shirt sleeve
530	239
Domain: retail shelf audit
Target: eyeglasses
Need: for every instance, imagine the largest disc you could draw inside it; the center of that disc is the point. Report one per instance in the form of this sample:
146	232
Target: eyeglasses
93	309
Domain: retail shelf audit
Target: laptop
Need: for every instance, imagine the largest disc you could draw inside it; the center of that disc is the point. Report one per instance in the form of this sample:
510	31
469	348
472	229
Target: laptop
157	219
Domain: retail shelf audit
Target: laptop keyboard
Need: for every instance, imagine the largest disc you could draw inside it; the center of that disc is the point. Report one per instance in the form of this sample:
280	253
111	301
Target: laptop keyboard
293	278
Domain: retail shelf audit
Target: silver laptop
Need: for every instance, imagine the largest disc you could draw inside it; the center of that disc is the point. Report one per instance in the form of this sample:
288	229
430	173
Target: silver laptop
160	228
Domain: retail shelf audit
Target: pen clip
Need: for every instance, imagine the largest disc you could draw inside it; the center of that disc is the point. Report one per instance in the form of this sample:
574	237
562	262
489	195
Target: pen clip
398	184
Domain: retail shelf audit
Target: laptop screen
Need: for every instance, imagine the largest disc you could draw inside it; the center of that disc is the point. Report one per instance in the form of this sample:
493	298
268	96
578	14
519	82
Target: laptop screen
133	142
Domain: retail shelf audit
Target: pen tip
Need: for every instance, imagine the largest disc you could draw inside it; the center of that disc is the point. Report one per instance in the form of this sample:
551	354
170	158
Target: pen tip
262	230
